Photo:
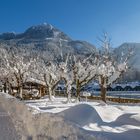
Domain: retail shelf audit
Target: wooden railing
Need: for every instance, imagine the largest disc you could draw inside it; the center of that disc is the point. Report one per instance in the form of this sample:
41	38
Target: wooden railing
114	99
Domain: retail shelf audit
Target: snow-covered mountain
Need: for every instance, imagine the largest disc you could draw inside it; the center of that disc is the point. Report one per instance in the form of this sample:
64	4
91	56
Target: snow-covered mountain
50	42
134	60
47	40
42	31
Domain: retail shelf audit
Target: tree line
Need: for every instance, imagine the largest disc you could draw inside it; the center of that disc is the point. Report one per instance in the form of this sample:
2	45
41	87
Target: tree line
102	66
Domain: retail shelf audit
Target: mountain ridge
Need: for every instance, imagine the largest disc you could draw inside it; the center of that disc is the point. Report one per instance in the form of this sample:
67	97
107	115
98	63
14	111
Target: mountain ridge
47	40
41	31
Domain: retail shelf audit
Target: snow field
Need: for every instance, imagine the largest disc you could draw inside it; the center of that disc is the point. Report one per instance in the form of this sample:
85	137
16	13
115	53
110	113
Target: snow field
97	117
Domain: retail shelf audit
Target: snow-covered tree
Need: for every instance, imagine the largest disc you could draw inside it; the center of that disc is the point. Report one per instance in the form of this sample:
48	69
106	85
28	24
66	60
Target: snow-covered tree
109	69
16	70
78	71
5	75
66	74
84	71
48	73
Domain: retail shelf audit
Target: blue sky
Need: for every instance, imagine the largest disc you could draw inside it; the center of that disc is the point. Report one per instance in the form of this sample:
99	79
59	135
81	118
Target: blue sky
80	19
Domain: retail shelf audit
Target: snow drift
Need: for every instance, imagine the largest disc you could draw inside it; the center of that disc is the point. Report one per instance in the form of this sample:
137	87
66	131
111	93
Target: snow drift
81	114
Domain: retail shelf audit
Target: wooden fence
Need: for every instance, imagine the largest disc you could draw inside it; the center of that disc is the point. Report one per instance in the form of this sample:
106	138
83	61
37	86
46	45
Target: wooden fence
115	99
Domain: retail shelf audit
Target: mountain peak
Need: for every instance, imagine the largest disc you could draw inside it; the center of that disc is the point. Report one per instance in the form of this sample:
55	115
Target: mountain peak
42	31
44	26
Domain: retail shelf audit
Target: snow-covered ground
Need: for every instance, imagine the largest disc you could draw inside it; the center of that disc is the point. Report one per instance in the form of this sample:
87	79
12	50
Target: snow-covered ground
108	121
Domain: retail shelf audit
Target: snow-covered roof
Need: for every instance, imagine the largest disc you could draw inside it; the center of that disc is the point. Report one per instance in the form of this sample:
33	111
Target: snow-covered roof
36	81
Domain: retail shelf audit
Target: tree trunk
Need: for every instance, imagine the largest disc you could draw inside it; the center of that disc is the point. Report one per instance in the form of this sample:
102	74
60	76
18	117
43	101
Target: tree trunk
68	97
50	93
40	92
68	91
103	88
5	87
10	90
78	90
20	92
53	92
103	93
